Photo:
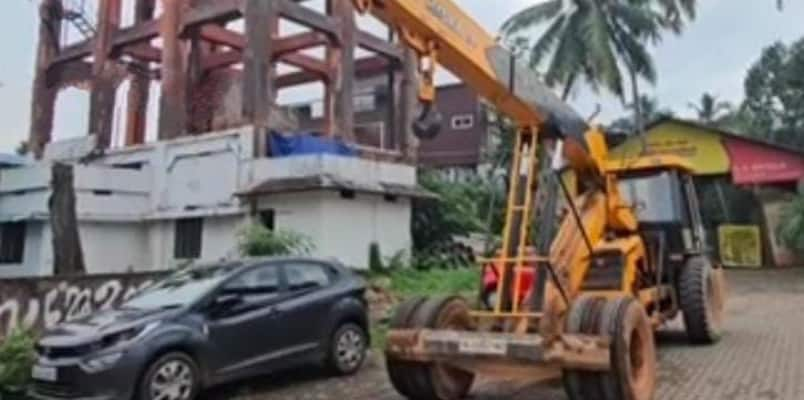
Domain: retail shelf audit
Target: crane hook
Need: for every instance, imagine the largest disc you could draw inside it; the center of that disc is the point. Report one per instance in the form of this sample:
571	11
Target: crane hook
429	122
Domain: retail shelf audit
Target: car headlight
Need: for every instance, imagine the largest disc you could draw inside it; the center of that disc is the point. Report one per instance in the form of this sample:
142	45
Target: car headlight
128	336
101	363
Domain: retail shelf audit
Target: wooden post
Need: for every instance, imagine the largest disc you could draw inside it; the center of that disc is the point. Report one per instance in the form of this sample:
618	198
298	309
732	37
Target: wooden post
173	101
408	103
44	95
139	90
341	59
257	85
104	82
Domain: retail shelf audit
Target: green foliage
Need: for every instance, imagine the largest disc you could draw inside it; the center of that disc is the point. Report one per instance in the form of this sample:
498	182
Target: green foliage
710	110
375	258
16	361
258	241
774	95
590	40
650	109
457	211
791	231
409	282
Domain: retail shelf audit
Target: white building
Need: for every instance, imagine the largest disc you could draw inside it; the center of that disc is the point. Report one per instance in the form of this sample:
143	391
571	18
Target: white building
153	206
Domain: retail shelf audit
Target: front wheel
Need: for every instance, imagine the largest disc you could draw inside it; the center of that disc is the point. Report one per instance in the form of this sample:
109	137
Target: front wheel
348	349
173	376
702	297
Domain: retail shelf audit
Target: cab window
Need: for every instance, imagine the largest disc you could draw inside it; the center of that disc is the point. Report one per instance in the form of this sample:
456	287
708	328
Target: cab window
305	276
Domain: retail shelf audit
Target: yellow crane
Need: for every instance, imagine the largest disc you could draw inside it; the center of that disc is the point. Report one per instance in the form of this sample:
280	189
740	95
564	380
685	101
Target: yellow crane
581	303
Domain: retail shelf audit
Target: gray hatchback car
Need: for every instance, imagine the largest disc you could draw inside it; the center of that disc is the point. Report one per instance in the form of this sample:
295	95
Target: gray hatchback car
205	326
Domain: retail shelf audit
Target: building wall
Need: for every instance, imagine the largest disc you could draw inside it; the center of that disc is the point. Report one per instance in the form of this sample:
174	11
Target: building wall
353	224
128	202
114	247
456	146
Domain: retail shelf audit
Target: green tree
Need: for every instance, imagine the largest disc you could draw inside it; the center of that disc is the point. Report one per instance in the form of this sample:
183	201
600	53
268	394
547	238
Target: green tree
791	231
711	110
595	39
650	109
774	94
457	210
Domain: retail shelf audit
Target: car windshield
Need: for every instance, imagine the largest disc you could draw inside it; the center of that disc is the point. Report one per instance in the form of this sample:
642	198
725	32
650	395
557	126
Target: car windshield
650	196
180	289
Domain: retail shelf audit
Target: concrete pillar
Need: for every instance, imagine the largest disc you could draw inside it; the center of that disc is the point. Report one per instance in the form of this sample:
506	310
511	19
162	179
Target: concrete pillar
173	101
339	99
258	90
104	81
139	90
43	99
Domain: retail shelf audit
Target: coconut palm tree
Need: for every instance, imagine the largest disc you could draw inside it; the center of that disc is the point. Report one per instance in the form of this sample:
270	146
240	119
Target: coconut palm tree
710	109
595	39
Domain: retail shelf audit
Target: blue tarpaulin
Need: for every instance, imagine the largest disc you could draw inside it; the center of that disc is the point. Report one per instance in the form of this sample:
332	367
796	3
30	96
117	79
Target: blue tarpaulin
307	143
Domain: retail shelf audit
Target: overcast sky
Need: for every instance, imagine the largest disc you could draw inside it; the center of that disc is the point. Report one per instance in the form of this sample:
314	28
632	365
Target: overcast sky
712	55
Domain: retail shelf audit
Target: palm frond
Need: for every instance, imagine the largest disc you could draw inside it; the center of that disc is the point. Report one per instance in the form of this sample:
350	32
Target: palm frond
532	16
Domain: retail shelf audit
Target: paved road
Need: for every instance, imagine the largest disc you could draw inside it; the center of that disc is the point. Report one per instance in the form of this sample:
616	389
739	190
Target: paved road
760	358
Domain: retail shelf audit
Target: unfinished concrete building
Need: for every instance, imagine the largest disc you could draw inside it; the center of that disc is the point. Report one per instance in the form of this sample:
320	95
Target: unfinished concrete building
219	64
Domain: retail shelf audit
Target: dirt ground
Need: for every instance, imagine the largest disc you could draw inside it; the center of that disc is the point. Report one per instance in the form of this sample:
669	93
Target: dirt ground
761	357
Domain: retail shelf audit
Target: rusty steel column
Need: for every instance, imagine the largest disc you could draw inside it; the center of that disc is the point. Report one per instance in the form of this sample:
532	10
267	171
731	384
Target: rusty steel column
173	101
139	90
339	98
408	103
104	76
43	101
258	90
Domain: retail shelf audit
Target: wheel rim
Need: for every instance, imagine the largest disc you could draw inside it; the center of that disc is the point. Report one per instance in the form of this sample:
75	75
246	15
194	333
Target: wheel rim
350	348
172	381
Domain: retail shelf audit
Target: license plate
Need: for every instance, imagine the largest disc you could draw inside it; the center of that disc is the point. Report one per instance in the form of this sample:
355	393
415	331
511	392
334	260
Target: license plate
482	346
47	374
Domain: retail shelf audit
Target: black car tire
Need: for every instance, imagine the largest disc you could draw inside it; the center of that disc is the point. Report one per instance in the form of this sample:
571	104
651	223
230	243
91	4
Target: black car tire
158	367
347	349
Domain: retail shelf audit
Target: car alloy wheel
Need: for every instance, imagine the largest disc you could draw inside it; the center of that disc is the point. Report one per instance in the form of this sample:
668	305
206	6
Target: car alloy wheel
173	380
350	348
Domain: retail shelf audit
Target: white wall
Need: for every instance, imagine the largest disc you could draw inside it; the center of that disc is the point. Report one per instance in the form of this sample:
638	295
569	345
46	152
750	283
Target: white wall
353	224
299	212
219	239
113	247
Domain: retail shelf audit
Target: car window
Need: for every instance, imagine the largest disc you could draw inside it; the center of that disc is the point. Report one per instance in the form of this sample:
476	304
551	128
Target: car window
257	284
303	276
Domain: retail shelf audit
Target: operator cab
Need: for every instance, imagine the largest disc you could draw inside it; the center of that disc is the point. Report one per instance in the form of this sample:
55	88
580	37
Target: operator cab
661	191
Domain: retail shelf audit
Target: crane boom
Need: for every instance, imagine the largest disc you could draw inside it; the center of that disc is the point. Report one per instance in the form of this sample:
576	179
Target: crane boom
468	51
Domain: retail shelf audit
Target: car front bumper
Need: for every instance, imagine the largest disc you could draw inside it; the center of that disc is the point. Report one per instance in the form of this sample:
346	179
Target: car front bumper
71	382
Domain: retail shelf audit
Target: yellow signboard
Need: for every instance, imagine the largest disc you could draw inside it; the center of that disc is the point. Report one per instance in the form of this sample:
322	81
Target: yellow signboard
740	246
701	147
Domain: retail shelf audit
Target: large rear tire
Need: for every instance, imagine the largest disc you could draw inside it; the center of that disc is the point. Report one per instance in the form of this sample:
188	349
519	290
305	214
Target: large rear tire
401	373
434	381
583	318
633	351
702	299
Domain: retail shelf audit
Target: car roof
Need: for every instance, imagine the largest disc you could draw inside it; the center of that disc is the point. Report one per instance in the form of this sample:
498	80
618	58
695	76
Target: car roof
248	262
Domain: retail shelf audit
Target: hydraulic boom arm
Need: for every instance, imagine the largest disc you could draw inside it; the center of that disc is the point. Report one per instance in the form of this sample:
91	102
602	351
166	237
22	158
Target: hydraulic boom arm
443	34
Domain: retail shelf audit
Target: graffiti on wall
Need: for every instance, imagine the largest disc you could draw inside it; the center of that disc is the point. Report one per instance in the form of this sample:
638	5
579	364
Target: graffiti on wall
41	303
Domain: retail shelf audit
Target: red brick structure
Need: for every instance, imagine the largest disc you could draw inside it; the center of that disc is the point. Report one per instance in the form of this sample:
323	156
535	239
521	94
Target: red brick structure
211	76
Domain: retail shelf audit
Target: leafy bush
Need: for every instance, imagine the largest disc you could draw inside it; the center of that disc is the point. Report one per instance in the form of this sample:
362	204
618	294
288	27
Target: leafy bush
461	208
258	241
791	231
16	360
